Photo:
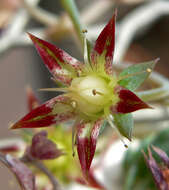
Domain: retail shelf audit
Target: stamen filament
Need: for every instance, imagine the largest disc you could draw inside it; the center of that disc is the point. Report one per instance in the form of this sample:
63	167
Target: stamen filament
118	133
54	89
86	52
96	92
148	70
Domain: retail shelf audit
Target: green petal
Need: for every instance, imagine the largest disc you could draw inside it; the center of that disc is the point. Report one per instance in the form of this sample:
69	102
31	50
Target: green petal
139	73
124	123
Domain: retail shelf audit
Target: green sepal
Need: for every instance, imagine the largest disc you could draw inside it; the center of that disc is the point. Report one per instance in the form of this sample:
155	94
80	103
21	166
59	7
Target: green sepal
124	123
133	82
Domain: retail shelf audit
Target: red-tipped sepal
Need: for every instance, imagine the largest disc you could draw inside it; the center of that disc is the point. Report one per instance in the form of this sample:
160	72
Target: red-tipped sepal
128	101
62	66
54	111
87	134
102	54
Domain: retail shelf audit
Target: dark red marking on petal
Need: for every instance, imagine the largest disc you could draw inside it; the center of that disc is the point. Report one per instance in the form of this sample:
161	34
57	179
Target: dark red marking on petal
104	45
87	135
57	60
44	116
128	102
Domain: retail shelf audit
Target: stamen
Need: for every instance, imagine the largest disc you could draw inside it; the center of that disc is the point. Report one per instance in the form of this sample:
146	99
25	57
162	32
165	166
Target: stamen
74	104
84	31
118	133
148	70
96	92
86	54
54	89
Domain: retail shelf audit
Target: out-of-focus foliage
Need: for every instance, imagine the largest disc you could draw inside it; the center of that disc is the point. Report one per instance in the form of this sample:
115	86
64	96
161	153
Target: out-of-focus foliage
136	174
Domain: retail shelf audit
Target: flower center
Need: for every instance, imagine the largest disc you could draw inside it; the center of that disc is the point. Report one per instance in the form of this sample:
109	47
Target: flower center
91	93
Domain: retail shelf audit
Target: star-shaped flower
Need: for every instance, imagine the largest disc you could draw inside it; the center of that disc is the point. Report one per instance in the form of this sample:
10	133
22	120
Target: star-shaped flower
92	94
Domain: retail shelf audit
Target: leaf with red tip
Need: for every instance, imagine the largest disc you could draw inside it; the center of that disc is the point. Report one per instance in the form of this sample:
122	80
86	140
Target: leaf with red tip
87	134
54	111
42	148
62	66
128	102
162	155
32	100
156	172
102	54
23	174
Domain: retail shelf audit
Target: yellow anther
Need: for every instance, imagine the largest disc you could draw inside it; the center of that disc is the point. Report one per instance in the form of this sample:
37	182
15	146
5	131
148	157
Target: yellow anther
149	70
84	31
74	104
96	92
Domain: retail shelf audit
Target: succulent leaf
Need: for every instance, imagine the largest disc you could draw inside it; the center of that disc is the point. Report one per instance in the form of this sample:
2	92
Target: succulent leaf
156	171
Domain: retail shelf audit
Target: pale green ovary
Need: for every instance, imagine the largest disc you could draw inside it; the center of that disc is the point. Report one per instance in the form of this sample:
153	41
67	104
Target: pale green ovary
93	93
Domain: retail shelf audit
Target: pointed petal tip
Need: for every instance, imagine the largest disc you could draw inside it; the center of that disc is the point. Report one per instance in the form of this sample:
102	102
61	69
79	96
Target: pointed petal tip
30	35
14	126
129	102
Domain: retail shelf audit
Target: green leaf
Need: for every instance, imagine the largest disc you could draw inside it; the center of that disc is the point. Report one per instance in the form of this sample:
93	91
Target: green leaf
139	74
124	123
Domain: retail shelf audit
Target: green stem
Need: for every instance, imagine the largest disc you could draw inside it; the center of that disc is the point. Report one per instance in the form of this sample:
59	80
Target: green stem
71	9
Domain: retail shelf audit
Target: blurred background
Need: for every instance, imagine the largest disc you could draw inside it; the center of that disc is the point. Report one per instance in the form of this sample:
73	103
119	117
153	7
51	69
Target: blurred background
21	66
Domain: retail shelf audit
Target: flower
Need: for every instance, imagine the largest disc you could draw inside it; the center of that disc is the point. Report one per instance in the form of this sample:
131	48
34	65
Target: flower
92	94
42	148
